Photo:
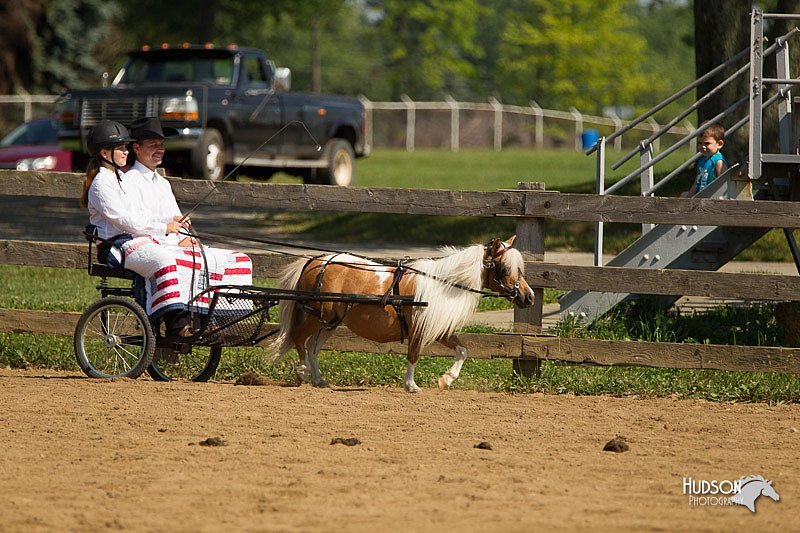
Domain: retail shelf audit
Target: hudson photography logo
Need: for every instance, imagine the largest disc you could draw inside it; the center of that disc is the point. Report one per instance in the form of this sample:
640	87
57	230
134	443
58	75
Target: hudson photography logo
743	491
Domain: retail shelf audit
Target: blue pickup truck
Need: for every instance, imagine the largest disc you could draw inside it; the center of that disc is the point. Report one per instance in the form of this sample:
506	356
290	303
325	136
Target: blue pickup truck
225	102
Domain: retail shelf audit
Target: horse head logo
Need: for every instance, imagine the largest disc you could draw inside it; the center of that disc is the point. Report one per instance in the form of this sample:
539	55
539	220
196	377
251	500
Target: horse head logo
751	488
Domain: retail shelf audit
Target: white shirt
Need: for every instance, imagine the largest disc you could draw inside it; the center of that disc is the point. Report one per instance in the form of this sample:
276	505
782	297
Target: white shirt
156	196
115	206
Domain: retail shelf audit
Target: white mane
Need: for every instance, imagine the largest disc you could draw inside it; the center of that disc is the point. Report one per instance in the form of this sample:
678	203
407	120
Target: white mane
449	307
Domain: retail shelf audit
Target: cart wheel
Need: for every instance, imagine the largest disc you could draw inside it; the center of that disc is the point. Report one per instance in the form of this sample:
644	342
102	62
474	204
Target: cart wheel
114	338
198	364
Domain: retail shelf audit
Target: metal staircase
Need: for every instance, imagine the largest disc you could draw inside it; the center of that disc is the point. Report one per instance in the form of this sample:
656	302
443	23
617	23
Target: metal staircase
764	176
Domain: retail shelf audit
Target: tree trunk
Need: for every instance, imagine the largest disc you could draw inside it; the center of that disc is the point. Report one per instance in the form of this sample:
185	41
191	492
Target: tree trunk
721	30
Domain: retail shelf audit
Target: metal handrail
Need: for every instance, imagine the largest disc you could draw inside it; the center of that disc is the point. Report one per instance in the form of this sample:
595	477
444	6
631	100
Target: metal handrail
769	50
665	103
675	146
666	179
689	110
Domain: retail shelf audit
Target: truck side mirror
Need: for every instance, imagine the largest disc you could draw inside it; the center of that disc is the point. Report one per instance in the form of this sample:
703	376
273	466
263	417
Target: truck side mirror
282	80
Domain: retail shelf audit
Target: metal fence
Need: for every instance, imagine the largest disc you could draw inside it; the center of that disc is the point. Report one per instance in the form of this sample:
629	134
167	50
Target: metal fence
448	124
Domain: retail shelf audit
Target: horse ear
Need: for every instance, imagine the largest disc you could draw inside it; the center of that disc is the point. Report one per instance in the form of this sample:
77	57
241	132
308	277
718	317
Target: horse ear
510	240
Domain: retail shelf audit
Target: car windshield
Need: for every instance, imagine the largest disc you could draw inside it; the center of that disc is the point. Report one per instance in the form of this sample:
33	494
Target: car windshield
41	131
158	68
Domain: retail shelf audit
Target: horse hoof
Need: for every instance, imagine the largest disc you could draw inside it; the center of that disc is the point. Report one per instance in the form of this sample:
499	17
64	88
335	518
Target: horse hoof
413	388
443	384
321	384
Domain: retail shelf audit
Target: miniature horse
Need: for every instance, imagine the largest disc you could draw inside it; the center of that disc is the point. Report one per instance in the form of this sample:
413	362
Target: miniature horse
450	285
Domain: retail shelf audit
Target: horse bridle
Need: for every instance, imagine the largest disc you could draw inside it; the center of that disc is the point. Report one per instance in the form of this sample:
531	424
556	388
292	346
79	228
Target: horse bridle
491	265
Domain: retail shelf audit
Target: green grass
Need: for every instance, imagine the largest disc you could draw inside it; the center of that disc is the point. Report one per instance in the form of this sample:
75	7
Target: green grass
356	369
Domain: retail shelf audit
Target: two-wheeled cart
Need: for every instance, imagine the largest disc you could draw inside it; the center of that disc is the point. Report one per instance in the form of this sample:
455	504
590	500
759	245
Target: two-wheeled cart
114	337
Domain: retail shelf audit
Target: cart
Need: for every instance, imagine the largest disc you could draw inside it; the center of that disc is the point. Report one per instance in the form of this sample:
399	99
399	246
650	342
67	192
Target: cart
115	338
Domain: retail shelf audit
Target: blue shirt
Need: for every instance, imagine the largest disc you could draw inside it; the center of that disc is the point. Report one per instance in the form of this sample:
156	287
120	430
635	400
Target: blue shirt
705	171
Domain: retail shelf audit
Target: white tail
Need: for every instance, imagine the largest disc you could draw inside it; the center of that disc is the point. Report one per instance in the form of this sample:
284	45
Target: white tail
290	313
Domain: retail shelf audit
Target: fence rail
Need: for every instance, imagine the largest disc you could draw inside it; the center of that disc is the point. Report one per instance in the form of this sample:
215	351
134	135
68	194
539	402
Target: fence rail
530	207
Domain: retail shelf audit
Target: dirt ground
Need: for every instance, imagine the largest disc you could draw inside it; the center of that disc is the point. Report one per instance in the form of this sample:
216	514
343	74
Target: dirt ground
95	455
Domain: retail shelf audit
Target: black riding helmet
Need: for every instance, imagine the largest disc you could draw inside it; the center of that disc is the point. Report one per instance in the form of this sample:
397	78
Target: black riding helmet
106	133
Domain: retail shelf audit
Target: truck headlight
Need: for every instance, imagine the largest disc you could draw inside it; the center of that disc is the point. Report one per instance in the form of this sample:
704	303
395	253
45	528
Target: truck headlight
181	109
38	163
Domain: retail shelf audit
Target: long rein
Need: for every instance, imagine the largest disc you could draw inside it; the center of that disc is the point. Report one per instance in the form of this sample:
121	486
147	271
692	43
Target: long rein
216	237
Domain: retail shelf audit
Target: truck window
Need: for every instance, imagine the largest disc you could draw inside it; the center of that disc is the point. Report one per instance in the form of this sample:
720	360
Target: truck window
254	70
214	70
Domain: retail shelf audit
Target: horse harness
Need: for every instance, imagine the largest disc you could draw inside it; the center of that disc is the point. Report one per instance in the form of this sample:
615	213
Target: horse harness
393	290
491	266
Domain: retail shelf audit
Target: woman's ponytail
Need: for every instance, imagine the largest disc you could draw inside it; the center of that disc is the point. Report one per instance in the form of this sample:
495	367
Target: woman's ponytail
91	171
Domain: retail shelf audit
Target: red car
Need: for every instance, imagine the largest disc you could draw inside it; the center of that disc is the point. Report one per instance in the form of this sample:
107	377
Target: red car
34	146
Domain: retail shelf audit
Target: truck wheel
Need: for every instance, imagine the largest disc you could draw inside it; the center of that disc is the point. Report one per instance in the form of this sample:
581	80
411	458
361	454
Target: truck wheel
208	159
341	164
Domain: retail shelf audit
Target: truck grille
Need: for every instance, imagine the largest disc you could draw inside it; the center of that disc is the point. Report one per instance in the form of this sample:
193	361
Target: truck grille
124	111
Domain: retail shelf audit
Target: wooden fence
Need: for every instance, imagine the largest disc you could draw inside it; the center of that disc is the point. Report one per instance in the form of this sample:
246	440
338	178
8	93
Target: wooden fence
531	206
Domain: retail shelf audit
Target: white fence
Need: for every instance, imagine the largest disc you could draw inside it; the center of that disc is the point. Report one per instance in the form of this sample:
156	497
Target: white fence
44	104
455	125
448	124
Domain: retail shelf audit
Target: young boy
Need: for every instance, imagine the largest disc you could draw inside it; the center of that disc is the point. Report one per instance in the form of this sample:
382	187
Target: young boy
712	163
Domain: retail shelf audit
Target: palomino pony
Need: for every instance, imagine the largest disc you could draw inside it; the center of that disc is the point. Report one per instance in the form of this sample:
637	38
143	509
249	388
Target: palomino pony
450	285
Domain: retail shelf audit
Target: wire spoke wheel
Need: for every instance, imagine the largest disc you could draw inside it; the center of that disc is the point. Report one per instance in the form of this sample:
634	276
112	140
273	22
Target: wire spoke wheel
114	338
198	363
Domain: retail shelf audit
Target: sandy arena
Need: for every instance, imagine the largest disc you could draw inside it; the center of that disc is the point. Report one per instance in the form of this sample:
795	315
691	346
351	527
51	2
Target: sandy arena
97	455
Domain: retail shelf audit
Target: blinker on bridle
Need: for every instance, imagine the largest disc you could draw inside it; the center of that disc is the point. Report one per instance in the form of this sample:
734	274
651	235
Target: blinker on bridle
491	264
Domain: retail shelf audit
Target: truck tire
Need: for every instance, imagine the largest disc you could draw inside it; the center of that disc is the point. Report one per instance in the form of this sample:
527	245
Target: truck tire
208	159
341	168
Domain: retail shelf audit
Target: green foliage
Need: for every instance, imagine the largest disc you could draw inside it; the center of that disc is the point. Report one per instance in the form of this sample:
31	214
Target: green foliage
426	44
669	51
553	50
574	53
347	48
49	45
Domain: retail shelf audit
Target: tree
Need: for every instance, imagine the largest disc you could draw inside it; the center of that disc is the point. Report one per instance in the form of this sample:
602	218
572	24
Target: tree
668	60
426	44
578	53
44	50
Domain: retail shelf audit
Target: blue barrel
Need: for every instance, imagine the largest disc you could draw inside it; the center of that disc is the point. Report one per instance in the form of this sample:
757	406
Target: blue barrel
589	138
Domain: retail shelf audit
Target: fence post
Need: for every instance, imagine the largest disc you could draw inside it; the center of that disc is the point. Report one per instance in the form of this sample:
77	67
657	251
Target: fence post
530	241
617	126
455	123
655	126
368	109
411	121
498	123
28	107
578	127
539	123
692	143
